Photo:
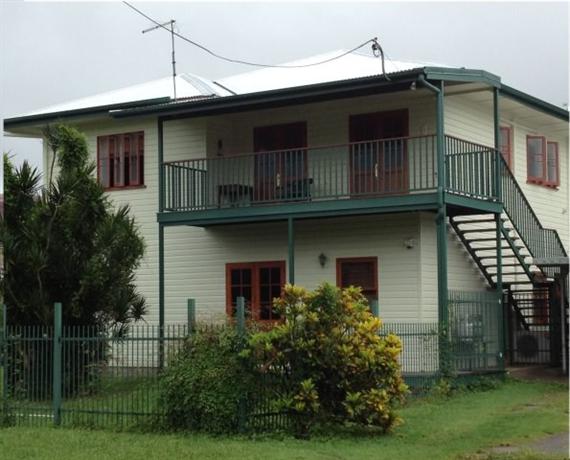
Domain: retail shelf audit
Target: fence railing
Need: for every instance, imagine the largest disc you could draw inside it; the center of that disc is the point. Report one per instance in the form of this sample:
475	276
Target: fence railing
106	379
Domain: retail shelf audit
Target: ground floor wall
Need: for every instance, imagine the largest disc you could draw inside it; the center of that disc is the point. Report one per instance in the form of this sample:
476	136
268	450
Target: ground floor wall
404	246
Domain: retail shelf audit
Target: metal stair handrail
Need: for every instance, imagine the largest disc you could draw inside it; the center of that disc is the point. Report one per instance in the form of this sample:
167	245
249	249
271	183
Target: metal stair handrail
541	242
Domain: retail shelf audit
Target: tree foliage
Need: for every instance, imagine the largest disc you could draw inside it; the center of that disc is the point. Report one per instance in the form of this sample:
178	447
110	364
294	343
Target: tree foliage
334	364
65	242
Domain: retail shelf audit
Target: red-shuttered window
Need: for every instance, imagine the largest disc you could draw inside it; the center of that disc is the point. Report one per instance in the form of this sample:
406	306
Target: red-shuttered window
543	163
120	160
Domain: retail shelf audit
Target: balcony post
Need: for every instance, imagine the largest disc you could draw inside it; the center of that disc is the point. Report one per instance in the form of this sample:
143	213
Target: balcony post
160	244
498	192
441	219
291	249
441	222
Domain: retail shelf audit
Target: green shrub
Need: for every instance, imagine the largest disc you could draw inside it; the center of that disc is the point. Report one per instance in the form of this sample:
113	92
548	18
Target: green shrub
202	387
333	365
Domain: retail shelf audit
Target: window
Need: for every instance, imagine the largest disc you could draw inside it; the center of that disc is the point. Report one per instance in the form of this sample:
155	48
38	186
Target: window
543	162
361	272
506	145
120	160
552	164
259	283
536	155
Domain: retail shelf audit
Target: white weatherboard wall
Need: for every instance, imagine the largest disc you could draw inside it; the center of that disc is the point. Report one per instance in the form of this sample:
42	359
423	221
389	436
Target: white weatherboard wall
474	122
142	201
196	259
462	273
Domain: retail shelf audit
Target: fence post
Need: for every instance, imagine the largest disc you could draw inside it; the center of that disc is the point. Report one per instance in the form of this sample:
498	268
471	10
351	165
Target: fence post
240	304
3	358
375	308
57	326
191	315
240	313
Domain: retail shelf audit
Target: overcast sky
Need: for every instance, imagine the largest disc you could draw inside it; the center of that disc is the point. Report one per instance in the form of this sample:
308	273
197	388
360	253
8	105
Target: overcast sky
54	52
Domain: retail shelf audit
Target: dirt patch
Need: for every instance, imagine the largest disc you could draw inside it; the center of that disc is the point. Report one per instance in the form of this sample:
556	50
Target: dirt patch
556	444
538	373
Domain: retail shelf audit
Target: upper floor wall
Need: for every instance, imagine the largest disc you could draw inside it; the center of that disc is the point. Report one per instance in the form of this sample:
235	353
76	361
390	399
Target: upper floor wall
328	124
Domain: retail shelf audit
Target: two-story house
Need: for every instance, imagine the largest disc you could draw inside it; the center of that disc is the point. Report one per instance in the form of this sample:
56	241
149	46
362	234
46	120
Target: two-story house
430	187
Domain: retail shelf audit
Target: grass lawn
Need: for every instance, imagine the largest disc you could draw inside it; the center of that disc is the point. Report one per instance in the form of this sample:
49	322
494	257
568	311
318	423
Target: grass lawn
434	428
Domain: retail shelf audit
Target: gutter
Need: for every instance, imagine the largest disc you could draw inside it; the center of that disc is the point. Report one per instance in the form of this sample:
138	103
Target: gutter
535	103
41	118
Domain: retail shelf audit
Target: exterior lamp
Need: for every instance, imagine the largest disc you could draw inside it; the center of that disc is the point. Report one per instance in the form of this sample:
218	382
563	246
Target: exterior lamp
409	243
322	259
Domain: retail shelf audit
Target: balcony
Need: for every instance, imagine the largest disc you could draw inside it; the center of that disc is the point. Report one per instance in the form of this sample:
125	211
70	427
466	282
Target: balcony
333	177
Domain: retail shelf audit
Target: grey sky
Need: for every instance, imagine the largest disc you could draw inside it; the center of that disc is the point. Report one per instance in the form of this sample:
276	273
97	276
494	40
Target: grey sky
54	52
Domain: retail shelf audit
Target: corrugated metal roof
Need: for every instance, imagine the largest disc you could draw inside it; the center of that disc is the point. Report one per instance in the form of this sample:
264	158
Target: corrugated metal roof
351	66
187	86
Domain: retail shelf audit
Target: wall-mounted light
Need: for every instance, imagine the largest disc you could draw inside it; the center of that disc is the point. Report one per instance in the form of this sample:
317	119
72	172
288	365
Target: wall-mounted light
322	259
410	243
413	86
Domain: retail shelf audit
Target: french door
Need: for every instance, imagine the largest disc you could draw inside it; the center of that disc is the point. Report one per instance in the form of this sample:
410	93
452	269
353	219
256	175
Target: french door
378	154
259	283
281	160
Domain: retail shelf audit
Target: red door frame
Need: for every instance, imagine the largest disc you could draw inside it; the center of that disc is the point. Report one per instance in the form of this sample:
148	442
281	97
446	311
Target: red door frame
403	116
255	284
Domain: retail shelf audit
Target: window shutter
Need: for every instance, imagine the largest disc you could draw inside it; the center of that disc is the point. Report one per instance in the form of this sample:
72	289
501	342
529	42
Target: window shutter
119	171
552	165
536	158
103	157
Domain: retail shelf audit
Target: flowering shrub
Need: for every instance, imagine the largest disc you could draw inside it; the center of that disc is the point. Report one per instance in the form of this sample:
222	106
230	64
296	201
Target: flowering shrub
333	363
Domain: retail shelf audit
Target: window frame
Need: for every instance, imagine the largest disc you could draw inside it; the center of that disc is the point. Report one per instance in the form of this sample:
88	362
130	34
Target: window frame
116	150
556	182
510	157
540	180
255	285
342	260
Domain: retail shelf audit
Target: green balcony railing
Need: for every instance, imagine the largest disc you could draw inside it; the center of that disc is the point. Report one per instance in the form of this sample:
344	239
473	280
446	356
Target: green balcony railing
376	168
356	170
471	169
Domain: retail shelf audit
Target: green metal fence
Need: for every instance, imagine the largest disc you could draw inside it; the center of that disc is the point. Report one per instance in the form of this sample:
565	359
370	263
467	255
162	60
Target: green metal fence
72	375
475	332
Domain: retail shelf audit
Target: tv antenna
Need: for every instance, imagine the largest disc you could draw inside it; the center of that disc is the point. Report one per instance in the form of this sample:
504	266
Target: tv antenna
163	26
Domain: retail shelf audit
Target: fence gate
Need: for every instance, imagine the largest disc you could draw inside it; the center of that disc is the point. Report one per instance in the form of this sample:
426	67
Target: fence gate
534	331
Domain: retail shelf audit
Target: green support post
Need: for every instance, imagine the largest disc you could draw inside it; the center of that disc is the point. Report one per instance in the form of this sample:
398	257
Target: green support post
161	295
441	218
291	249
57	330
4	355
160	134
499	195
240	313
375	308
191	315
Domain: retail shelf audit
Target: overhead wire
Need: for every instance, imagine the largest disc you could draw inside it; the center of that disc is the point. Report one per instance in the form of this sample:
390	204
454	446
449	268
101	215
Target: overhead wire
376	48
